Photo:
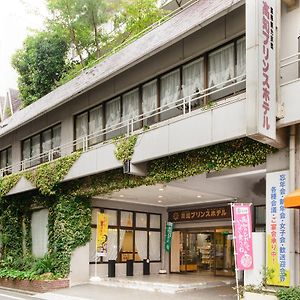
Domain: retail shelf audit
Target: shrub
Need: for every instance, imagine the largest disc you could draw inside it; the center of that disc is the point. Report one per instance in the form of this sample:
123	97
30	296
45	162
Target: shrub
289	294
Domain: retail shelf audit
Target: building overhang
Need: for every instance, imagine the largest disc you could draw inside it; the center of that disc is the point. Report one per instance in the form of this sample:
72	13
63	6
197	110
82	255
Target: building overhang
292	200
290	3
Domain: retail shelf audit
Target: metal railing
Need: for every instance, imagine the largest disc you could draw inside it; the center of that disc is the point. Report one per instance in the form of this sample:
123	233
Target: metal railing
290	69
195	103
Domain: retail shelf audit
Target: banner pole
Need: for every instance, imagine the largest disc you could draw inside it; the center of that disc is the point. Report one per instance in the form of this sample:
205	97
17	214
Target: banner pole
234	250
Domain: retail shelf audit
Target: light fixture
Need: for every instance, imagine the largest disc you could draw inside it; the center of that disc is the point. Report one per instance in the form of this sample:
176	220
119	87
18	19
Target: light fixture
122	196
159	201
161	189
199	196
160	196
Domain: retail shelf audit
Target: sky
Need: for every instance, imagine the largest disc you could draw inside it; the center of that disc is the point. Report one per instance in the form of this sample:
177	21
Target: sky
17	19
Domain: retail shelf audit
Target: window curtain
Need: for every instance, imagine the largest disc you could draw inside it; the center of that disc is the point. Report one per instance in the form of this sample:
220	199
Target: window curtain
149	103
170	89
126	218
39	232
95	125
9	156
93	246
113	113
46	141
241	58
221	66
35	149
112	245
154	245
56	136
3	161
155	221
130	104
81	129
141	243
193	78
26	152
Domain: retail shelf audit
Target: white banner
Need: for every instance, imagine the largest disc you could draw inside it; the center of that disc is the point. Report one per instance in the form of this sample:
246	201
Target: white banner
261	32
279	230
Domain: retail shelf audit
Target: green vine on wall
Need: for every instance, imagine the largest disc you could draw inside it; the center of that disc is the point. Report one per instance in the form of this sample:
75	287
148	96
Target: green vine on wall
47	176
232	154
8	182
125	147
69	202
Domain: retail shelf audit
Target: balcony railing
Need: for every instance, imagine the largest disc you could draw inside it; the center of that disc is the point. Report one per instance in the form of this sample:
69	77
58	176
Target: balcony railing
182	108
290	69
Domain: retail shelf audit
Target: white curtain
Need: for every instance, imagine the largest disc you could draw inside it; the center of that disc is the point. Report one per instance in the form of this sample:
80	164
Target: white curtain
93	246
170	89
113	112
141	243
154	245
130	104
112	245
26	152
122	236
126	218
193	77
81	129
149	103
46	141
241	58
96	124
56	136
39	231
141	220
221	66
35	149
155	221
112	217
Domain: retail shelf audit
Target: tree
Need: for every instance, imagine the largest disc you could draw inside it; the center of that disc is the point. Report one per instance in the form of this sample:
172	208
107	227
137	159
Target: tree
40	64
137	15
95	14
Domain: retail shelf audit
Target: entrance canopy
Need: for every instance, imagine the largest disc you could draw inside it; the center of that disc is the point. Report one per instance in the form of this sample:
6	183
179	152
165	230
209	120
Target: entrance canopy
292	200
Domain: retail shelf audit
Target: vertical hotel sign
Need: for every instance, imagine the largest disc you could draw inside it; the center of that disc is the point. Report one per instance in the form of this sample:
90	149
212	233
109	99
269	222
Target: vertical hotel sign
261	76
278	229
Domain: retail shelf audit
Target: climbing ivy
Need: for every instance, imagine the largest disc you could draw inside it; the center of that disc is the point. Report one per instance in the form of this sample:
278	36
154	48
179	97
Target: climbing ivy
233	154
8	182
125	147
47	176
69	203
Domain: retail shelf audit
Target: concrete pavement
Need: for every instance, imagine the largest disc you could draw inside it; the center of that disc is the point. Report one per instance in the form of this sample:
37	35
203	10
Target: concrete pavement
96	292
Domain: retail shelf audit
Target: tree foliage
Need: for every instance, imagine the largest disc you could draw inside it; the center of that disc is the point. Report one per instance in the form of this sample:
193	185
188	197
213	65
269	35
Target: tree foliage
40	64
78	33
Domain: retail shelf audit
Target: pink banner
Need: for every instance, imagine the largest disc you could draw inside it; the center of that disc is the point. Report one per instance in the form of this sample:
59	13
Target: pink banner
243	236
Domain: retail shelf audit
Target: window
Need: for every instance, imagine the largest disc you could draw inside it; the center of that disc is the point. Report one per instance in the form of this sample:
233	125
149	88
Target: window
6	161
36	149
89	123
131	236
149	101
113	117
241	58
221	66
260	218
130	105
193	80
170	88
81	125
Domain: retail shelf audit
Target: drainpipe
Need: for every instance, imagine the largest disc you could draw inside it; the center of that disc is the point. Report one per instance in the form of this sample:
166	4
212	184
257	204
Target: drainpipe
294	253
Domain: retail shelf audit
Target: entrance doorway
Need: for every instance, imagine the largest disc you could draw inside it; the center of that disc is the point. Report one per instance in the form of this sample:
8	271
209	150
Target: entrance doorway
208	251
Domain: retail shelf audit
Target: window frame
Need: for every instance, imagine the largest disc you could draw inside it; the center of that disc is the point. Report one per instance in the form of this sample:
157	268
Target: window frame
40	134
9	171
133	228
204	55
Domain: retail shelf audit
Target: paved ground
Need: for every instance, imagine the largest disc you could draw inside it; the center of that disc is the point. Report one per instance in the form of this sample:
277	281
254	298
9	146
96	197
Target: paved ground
94	292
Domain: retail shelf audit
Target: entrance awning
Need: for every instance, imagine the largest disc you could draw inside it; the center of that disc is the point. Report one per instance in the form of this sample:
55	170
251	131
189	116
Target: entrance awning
292	200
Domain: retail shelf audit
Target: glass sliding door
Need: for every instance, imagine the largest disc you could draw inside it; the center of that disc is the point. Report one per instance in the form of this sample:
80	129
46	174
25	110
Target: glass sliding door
224	255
